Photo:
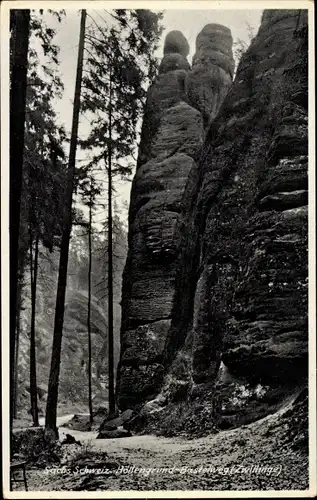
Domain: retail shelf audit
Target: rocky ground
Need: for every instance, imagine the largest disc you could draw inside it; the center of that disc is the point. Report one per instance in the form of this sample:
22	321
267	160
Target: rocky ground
258	456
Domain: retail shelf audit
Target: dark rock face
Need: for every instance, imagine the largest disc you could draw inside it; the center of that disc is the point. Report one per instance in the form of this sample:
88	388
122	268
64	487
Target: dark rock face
250	306
232	289
173	135
261	242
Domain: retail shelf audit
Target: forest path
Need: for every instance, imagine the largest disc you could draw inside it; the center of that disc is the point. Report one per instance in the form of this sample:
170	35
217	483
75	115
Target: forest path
223	461
61	420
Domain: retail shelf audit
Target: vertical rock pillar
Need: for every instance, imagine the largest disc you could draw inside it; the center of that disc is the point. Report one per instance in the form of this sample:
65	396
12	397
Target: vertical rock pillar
171	141
212	72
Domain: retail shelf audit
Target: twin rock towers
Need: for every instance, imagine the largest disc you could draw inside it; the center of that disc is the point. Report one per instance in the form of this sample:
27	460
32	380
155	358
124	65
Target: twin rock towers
214	287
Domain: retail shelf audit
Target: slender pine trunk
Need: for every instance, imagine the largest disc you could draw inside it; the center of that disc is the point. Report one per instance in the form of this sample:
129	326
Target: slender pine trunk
111	390
52	396
89	308
33	382
19	60
17	347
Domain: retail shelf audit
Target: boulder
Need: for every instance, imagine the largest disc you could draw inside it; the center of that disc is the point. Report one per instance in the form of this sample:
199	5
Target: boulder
102	411
79	423
69	439
108	426
114	434
112	424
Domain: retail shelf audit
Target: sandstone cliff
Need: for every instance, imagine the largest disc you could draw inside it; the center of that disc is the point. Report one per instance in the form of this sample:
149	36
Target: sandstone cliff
215	285
172	137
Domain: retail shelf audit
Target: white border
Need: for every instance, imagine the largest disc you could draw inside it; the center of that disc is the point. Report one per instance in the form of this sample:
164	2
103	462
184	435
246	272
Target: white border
168	5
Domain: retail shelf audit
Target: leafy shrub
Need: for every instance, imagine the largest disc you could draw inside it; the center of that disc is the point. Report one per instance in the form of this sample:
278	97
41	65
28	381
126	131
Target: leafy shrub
35	448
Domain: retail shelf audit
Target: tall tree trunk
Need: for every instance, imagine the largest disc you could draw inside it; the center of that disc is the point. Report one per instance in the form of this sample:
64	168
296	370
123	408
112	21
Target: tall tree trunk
17	346
52	396
111	392
89	308
19	58
33	383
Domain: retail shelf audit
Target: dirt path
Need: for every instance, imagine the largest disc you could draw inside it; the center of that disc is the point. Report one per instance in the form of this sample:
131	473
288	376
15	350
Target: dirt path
229	460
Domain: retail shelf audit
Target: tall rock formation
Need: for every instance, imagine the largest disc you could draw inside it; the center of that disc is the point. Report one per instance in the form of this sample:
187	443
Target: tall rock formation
172	138
222	314
247	324
213	67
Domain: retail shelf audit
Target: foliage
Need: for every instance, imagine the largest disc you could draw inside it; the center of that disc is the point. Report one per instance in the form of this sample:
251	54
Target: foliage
73	384
119	67
125	51
240	46
78	259
43	169
294	424
35	449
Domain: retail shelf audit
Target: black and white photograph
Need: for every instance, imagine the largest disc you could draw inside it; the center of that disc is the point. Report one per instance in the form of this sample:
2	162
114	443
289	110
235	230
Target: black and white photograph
157	256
